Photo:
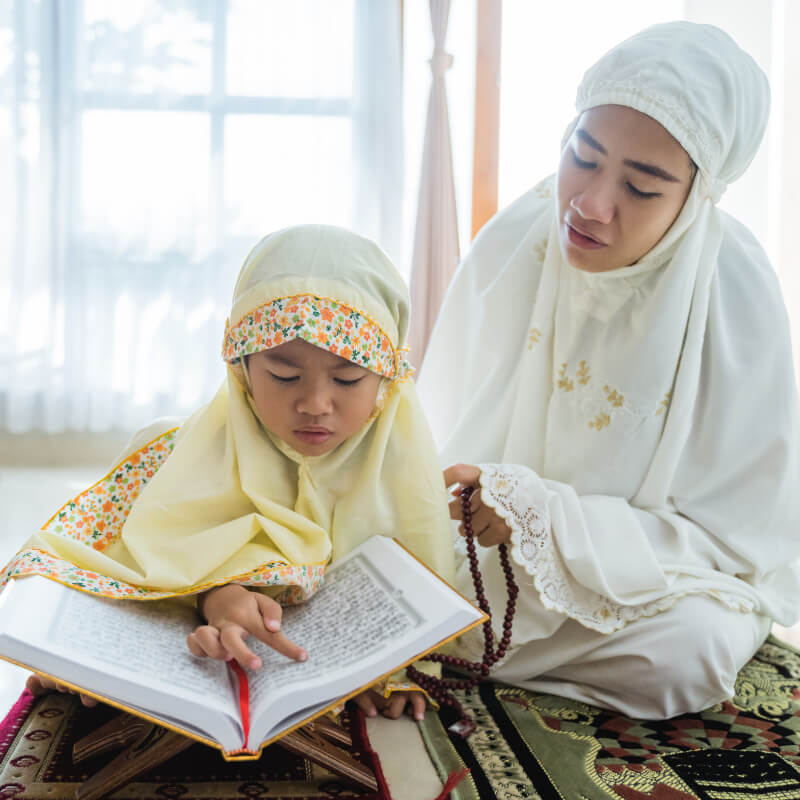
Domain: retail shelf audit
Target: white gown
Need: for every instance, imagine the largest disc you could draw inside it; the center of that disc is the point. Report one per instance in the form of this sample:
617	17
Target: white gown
637	429
680	660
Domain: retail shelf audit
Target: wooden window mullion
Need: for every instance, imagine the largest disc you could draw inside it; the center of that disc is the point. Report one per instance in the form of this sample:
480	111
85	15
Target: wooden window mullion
487	113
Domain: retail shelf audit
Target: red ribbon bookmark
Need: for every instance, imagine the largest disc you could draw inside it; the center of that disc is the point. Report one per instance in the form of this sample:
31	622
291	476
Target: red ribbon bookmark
453	779
244	697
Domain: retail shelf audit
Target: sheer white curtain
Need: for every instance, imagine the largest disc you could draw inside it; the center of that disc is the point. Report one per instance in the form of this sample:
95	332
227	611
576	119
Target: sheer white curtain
435	255
145	145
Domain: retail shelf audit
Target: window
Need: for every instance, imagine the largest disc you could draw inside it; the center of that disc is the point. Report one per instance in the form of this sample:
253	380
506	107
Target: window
151	143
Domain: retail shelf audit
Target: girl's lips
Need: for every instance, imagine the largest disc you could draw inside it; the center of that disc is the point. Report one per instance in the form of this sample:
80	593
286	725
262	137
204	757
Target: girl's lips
313	435
579	240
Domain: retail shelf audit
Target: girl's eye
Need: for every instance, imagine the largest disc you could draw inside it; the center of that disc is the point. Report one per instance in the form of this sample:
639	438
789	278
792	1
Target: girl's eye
343	382
290	379
638	193
579	162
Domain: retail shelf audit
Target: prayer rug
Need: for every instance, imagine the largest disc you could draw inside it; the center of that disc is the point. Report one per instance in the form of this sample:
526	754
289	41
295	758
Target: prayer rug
36	741
531	745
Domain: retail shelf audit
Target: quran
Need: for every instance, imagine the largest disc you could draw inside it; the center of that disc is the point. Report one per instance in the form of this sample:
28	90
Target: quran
378	610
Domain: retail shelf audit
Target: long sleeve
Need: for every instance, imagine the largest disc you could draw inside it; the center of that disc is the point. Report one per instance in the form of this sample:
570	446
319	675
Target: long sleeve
602	561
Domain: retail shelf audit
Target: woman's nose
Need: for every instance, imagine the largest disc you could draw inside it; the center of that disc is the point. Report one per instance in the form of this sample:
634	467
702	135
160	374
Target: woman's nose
595	202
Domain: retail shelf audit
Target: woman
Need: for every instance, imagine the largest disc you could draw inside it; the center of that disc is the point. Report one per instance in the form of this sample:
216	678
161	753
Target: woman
623	395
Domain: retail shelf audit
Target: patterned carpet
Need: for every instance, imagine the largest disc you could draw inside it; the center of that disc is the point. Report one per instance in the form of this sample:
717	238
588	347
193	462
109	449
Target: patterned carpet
35	763
527	746
532	745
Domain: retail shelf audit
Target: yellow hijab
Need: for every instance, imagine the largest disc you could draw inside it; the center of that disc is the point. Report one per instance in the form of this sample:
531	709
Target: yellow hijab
223	499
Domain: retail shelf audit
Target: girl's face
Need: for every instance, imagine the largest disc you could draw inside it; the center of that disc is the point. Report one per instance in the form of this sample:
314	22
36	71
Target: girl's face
622	182
309	397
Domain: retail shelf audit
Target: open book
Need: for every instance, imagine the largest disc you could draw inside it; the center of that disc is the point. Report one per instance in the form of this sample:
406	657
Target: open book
378	610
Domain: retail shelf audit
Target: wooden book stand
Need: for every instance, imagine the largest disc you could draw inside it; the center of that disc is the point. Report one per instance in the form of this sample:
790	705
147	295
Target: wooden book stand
146	745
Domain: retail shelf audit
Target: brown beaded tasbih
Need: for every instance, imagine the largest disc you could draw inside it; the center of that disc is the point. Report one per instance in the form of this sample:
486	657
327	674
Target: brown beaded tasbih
440	689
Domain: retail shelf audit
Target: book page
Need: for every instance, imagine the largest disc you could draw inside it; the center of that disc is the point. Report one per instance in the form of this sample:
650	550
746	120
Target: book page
148	638
353	616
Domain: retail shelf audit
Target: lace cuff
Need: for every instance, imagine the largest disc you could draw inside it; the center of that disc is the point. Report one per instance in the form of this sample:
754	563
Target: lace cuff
517	494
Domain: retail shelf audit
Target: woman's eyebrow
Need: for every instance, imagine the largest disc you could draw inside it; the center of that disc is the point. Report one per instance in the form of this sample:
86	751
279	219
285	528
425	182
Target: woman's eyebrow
591	141
648	169
652	169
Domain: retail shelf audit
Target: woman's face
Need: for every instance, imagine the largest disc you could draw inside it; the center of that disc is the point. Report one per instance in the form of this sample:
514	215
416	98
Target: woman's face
309	397
622	182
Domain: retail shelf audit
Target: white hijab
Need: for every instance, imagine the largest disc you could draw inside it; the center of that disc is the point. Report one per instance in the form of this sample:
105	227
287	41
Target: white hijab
655	403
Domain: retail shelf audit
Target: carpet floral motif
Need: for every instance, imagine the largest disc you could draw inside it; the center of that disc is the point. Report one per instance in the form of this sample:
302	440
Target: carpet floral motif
748	746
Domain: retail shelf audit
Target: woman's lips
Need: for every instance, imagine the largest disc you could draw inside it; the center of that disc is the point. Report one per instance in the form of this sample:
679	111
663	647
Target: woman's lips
581	240
313	435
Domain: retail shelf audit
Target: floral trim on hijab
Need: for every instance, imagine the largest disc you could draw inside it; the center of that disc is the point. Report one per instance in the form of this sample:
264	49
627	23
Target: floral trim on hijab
298	583
322	321
95	518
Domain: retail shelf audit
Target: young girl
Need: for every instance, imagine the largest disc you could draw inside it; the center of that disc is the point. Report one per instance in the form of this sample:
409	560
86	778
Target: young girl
314	443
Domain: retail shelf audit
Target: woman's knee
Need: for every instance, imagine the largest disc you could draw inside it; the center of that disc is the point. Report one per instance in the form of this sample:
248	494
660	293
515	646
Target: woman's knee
680	661
695	652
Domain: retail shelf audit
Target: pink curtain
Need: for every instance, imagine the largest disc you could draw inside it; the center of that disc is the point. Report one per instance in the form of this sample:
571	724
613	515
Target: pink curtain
436	234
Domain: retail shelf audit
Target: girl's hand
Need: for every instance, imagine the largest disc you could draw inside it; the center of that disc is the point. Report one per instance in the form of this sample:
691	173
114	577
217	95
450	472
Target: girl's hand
233	613
371	703
489	528
38	685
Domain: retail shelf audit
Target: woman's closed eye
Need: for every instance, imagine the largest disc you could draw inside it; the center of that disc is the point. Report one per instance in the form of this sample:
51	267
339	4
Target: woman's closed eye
639	193
579	162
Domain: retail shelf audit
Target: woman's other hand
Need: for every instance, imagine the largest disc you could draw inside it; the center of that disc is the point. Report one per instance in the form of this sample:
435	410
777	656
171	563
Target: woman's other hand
233	613
489	528
39	685
393	706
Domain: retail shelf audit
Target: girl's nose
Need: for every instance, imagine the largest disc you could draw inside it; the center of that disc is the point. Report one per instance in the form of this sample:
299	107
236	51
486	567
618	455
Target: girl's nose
316	401
595	202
